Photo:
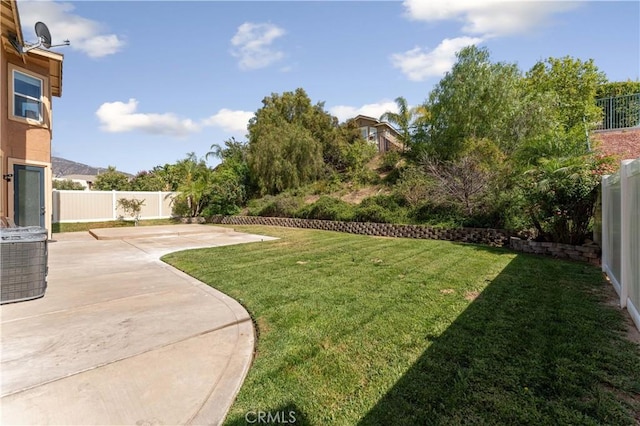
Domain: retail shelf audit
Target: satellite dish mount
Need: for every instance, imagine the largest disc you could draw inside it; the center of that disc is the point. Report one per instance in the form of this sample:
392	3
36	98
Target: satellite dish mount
44	39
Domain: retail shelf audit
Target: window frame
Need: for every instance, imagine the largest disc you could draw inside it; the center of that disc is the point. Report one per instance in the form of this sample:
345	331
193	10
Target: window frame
44	120
40	100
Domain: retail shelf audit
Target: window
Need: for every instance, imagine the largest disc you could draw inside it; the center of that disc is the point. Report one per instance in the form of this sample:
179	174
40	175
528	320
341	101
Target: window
27	96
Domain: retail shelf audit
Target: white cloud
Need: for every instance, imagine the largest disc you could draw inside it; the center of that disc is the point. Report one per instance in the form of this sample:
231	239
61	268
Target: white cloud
86	35
375	110
230	121
488	18
252	45
118	117
419	64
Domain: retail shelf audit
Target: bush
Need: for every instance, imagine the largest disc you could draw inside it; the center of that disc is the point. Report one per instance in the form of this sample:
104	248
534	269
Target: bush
275	206
413	186
328	185
390	160
180	208
561	195
374	213
327	208
132	207
389	202
381	209
443	215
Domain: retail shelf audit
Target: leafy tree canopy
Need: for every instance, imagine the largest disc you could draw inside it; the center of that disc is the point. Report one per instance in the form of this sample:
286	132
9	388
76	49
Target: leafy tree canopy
289	139
617	88
476	99
67	184
111	180
148	181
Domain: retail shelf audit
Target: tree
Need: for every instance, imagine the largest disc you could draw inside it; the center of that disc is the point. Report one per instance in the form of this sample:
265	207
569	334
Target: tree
132	207
477	99
67	184
194	187
231	180
288	141
170	176
111	180
570	85
284	157
403	119
466	180
147	181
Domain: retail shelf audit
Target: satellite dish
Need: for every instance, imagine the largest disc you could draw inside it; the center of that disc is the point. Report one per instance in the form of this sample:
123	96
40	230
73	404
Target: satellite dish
43	34
44	40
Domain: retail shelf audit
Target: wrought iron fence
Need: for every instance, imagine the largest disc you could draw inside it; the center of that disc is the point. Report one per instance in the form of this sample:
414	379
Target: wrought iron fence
619	112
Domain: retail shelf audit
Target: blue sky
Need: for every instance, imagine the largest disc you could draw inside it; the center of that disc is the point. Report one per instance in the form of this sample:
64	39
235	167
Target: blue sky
145	82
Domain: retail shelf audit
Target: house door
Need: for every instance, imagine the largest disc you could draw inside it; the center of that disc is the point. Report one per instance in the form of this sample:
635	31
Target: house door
28	195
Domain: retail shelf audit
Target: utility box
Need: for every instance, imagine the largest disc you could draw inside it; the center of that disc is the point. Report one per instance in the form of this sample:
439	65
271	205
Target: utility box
23	263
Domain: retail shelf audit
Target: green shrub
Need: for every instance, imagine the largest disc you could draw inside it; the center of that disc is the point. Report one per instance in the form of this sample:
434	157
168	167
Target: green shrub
389	202
390	160
441	215
561	195
327	208
327	186
381	209
180	208
413	186
275	206
374	213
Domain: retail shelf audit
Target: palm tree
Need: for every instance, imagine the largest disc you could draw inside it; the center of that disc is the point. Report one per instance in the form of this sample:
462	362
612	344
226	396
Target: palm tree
195	182
404	119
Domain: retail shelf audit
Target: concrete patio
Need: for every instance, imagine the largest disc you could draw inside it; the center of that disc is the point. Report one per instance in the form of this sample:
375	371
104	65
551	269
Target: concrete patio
122	338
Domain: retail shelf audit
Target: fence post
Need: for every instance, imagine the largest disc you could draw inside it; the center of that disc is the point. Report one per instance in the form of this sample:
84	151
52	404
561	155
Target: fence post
610	115
604	199
625	230
113	204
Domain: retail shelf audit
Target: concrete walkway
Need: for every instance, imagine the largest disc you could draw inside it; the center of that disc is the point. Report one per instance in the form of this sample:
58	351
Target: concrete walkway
120	338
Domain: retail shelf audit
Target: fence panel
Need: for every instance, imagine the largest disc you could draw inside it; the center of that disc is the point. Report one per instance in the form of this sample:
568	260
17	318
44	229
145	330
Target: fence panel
611	229
82	206
96	206
621	234
619	112
632	274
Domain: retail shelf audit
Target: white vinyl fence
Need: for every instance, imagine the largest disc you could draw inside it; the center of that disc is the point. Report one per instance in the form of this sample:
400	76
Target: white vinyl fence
621	234
95	206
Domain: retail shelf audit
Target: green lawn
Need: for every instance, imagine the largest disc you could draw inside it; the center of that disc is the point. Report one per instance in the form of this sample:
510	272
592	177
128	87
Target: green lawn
85	226
363	330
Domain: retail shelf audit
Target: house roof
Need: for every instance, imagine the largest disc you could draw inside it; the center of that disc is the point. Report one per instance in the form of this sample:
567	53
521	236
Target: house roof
11	29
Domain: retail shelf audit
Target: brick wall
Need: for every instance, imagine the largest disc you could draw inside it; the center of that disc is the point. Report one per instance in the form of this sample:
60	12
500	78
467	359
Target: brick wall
491	237
585	253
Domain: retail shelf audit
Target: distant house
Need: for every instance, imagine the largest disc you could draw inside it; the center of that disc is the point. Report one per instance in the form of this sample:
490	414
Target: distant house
383	134
29	82
85	180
